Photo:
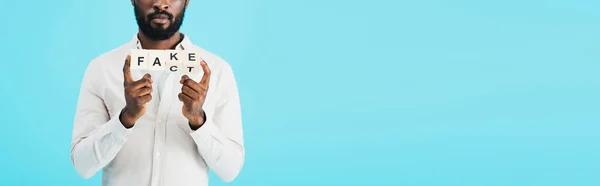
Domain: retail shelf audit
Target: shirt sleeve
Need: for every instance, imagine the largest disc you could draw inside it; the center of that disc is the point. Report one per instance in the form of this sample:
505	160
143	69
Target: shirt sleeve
97	138
220	139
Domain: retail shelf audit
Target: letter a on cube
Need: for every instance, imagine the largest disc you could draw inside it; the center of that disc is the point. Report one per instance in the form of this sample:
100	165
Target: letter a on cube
157	60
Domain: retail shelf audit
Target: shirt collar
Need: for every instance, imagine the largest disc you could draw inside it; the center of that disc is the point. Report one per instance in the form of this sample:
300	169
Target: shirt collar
183	45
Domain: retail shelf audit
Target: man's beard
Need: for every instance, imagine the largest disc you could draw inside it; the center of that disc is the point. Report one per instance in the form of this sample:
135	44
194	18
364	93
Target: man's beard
158	33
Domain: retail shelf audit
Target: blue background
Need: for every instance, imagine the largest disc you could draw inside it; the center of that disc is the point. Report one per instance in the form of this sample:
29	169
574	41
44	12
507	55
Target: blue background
379	92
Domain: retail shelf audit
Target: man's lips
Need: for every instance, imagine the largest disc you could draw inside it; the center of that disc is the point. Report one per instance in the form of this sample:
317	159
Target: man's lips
160	18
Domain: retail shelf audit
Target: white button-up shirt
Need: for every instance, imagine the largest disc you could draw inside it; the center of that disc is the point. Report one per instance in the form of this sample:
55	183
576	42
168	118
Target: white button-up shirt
161	149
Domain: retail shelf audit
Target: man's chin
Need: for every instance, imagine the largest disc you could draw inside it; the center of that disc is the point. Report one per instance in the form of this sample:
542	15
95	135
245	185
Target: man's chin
158	35
157	26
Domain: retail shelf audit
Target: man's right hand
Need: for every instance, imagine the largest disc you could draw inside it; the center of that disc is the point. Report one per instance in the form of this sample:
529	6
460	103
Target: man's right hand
137	94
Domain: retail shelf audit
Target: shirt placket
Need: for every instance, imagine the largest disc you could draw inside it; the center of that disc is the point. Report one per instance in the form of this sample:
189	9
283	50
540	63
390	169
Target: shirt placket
159	145
160	136
159	140
160	129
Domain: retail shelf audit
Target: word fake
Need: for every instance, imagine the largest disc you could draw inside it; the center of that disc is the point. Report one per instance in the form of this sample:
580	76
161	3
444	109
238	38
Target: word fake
175	61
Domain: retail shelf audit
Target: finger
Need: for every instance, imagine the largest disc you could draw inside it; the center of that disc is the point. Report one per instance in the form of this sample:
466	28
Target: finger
206	77
189	92
146	81
147	76
183	78
144	99
142	83
193	84
185	98
143	91
126	71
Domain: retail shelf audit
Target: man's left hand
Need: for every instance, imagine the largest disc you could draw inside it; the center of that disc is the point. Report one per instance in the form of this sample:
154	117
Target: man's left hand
193	95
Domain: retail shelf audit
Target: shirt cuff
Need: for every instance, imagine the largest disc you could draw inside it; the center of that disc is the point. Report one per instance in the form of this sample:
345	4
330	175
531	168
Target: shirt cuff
117	130
207	132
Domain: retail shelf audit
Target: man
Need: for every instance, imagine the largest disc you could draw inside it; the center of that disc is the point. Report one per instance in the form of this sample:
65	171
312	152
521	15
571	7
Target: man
162	128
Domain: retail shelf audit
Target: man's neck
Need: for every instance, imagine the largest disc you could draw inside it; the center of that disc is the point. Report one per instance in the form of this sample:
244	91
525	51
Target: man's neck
167	44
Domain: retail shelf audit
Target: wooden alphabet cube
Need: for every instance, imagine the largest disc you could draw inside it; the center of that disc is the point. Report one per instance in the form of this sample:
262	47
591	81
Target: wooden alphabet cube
157	60
192	63
139	59
191	56
175	61
191	67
